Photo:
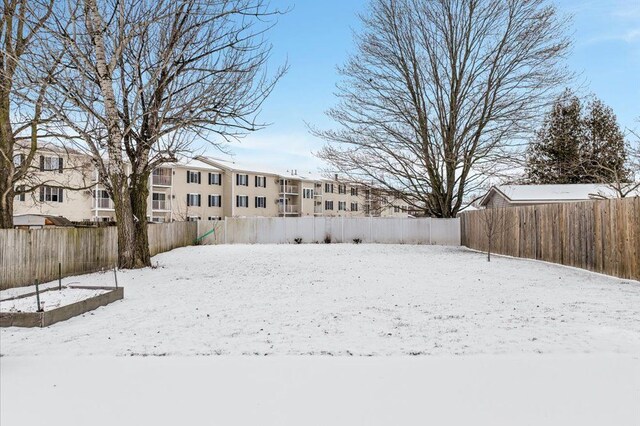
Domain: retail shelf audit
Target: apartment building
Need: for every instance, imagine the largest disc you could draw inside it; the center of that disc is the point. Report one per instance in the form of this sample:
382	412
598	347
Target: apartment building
202	188
63	182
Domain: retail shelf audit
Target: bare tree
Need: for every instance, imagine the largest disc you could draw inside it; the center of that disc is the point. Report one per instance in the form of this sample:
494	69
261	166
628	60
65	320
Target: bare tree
495	223
143	81
24	80
440	92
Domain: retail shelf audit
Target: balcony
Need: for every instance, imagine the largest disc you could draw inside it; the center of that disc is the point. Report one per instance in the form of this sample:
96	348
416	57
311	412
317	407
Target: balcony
288	209
160	205
289	189
102	204
161	180
317	209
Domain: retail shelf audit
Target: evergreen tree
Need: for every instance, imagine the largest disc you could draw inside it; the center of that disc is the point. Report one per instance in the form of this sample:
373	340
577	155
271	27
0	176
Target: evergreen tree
554	154
603	148
577	147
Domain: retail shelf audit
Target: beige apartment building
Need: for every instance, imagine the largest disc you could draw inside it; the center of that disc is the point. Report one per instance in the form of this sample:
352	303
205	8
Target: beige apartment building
63	181
202	188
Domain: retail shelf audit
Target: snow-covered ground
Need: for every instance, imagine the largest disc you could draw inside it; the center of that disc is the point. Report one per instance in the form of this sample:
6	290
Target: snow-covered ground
346	299
49	300
502	343
549	390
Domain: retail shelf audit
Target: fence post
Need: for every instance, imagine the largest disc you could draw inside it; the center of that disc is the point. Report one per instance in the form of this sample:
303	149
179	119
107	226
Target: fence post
225	229
115	275
38	297
342	229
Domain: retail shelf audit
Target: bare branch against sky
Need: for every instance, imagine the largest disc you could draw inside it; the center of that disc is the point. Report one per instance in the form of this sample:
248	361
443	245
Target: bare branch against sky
439	93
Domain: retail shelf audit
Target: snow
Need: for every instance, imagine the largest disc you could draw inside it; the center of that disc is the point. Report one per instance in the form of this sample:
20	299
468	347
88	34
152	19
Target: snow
49	300
481	390
257	168
346	299
569	192
508	342
194	163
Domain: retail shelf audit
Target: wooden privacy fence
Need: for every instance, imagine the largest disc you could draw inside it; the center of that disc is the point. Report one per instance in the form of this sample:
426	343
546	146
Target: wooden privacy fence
601	236
27	255
279	230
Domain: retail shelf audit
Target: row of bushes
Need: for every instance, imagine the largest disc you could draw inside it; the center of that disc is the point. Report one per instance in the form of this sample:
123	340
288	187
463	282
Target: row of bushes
327	240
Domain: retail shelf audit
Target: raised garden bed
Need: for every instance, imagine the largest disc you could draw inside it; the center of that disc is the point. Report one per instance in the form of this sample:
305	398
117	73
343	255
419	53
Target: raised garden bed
58	305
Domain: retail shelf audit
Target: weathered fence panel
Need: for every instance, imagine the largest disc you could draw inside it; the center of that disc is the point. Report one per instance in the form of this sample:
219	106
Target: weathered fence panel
601	236
260	230
167	236
28	255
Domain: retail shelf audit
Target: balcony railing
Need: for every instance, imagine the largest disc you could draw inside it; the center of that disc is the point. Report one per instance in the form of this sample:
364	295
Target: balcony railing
162	180
103	203
160	205
288	209
288	189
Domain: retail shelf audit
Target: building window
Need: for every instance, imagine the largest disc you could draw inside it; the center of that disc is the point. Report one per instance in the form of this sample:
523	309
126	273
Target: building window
354	191
193	177
307	193
22	196
242	180
215	200
102	199
50	164
242	200
342	189
354	207
214	218
328	205
261	202
342	205
215	179
193	200
328	188
18	159
51	194
159	201
161	176
261	182
396	209
193	218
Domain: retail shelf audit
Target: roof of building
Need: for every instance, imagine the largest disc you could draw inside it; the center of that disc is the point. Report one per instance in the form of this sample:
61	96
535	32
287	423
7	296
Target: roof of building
550	193
232	164
40	219
197	164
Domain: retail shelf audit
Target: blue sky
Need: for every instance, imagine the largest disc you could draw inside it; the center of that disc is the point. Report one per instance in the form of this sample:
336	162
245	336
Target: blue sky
316	36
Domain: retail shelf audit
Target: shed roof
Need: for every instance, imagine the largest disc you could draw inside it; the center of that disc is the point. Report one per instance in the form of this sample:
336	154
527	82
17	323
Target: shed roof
550	193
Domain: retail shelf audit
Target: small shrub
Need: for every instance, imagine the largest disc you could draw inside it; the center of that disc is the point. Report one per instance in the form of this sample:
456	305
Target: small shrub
298	240
327	239
357	241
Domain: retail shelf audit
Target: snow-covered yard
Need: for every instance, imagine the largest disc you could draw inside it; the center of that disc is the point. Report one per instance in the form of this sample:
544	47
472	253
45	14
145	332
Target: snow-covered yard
502	343
346	300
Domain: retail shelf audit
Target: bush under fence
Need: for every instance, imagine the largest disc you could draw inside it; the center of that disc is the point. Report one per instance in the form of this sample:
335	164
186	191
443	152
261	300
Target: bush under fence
278	230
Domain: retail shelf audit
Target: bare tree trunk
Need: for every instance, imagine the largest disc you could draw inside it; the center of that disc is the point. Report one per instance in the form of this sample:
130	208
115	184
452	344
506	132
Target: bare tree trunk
6	169
117	170
139	194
